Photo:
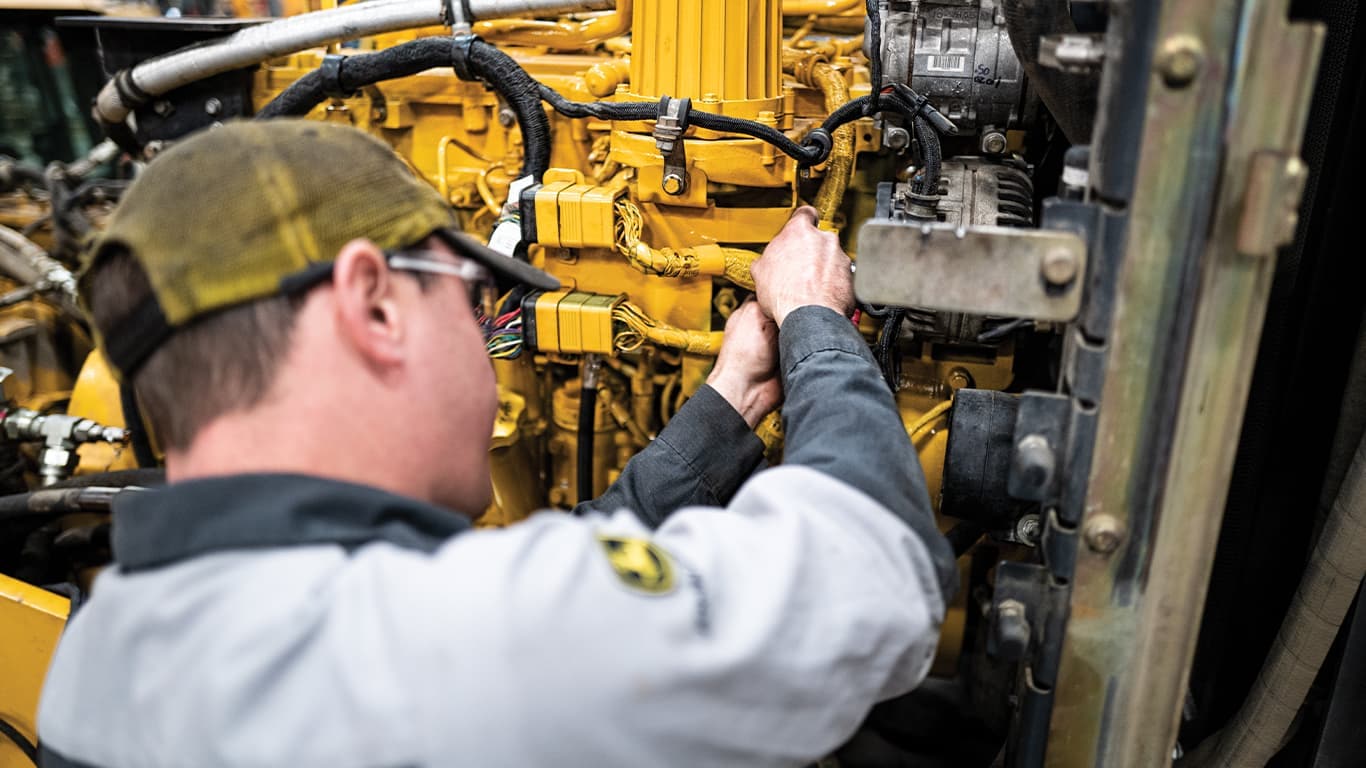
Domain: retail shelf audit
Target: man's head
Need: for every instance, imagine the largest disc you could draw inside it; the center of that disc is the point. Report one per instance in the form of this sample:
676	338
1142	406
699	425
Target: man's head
287	296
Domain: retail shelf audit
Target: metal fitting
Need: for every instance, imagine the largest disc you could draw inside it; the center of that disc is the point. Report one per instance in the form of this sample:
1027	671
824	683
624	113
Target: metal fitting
993	143
1059	267
1180	59
213	107
670	126
895	137
1077	54
1103	534
958	378
1028	530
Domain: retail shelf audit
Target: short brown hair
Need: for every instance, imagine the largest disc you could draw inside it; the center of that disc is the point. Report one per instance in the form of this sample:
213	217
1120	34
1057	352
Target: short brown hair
219	363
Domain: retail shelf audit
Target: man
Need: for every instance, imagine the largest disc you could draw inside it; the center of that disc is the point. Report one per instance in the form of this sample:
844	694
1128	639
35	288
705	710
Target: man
296	320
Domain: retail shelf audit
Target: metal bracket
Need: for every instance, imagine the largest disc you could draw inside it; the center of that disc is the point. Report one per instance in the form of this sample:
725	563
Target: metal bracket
982	270
670	126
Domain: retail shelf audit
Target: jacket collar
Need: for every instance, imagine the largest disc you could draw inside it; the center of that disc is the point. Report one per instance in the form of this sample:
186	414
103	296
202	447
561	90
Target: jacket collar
199	517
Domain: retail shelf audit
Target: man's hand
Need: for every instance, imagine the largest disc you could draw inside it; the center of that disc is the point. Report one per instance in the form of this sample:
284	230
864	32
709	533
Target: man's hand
746	370
802	266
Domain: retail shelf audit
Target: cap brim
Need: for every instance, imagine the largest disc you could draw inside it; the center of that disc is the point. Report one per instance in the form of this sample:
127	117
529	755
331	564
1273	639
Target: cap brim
507	269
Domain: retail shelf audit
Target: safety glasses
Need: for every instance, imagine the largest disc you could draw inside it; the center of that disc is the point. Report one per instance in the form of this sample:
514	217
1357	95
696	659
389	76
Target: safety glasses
483	291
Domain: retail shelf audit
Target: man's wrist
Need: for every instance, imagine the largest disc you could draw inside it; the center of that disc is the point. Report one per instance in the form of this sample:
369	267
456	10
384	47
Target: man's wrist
782	312
747	400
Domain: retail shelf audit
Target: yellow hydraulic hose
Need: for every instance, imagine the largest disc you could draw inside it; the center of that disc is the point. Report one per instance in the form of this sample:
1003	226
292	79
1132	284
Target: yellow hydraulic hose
559	35
819	7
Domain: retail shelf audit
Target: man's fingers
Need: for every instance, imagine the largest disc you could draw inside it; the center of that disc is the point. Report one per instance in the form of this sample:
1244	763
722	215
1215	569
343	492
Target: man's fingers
806	212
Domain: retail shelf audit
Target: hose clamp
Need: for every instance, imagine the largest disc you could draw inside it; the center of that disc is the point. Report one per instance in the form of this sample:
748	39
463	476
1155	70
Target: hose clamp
670	125
331	73
460	56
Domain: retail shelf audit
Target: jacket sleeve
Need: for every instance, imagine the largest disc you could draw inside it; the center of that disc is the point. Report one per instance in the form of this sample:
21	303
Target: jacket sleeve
756	635
700	458
840	419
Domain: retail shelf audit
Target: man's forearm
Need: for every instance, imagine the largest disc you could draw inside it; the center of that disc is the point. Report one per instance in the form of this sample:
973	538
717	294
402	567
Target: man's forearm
839	418
699	459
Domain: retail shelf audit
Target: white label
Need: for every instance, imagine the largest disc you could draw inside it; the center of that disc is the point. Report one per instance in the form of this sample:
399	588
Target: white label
515	190
951	63
1075	177
506	236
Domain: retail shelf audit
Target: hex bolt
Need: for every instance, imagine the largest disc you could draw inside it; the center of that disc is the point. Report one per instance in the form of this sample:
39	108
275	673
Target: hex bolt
958	378
213	107
1028	529
993	143
1103	534
1180	59
162	108
674	184
506	117
895	137
1059	267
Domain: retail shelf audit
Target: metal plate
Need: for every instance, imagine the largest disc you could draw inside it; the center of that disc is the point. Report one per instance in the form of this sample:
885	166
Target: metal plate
982	270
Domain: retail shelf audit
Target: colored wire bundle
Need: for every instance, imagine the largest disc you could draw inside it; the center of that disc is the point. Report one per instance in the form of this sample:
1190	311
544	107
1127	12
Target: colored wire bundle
503	334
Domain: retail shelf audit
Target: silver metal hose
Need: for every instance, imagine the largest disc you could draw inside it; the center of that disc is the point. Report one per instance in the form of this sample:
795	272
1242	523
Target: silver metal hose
253	45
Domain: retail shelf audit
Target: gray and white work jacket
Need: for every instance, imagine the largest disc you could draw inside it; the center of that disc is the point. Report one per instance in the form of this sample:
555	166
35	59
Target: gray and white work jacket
282	620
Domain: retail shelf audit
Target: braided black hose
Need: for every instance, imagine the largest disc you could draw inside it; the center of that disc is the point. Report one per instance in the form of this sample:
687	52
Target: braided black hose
467	56
927	182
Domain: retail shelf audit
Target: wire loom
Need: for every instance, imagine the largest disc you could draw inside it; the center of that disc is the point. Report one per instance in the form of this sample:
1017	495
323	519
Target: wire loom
474	59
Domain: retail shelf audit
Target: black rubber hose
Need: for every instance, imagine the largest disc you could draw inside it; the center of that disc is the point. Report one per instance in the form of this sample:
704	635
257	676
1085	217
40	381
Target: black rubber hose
483	62
588	409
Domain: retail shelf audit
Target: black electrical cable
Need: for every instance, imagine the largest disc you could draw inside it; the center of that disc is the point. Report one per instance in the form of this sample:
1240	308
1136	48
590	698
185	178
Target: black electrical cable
588	409
467	56
628	111
1004	330
21	741
931	156
875	58
888	351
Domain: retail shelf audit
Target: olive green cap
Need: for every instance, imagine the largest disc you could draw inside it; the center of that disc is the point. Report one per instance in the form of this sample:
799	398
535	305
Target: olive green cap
249	209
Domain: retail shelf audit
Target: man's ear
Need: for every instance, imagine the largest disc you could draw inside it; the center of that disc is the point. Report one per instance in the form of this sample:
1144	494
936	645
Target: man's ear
367	310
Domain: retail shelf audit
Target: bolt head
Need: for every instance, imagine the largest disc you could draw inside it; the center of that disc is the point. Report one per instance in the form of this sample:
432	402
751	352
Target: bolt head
1180	59
1028	529
1059	267
1103	534
162	108
958	379
674	184
213	107
896	137
994	143
506	117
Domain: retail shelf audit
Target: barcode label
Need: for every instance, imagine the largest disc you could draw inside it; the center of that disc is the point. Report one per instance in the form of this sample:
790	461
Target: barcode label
946	63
